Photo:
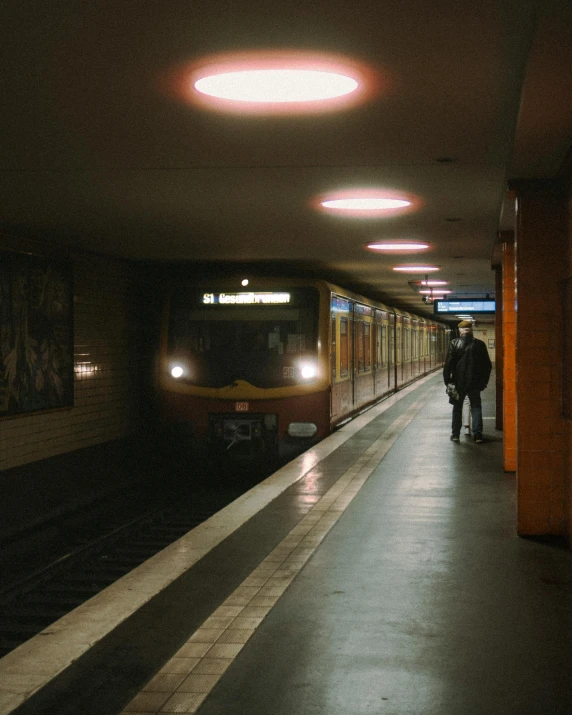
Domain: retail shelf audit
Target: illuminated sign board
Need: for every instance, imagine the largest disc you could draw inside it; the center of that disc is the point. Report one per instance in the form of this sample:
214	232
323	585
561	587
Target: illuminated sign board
246	298
340	305
464	306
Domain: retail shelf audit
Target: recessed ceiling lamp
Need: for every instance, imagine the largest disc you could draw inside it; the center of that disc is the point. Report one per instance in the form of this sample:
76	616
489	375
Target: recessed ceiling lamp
431	292
366	203
416	269
431	283
398	246
276	82
276	85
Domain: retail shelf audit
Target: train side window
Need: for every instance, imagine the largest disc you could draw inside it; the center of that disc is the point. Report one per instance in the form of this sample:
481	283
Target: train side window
344	347
384	346
367	346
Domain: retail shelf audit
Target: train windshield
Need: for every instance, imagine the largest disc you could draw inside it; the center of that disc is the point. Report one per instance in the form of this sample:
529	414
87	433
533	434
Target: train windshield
267	339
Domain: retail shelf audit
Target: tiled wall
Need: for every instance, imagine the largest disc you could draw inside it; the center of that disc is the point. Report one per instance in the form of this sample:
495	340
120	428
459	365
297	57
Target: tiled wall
107	369
541	249
486	333
568	423
509	356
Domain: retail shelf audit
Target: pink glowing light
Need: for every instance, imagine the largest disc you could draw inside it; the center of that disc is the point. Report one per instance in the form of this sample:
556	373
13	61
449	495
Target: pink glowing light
275	82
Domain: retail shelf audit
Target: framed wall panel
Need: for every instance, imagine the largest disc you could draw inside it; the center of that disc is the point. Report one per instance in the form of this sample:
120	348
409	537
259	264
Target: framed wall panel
36	334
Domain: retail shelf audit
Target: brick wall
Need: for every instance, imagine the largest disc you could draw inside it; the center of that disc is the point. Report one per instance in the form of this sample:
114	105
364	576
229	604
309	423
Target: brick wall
108	369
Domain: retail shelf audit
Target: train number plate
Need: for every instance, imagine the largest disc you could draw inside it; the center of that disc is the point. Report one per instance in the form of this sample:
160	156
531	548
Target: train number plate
241	407
288	371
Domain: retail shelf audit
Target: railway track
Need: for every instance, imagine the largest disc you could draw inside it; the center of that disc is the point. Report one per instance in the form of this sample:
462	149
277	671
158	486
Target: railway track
37	600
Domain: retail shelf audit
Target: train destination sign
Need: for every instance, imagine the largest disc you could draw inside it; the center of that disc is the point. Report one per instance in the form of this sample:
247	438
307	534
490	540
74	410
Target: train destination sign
464	306
246	298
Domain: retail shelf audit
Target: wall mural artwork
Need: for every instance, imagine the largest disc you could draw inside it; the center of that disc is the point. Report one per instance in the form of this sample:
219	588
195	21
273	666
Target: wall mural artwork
36	334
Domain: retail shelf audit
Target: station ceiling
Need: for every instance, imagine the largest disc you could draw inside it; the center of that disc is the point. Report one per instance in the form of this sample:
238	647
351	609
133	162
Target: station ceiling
100	154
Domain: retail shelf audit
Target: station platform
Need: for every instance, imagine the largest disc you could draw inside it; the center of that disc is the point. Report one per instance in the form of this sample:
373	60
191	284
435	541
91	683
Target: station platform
379	572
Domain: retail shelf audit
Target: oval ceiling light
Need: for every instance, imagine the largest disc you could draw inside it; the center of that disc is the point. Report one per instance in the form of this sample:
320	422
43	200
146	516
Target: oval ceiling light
416	269
432	292
397	246
276	82
431	283
276	85
366	203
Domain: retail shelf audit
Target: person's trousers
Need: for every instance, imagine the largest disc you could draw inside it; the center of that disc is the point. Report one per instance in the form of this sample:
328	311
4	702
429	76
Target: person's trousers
474	396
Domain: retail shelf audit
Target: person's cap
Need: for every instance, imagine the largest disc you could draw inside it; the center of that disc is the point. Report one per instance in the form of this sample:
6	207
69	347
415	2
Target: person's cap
465	324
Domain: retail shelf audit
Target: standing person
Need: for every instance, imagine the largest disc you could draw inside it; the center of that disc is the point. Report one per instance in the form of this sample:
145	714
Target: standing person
468	368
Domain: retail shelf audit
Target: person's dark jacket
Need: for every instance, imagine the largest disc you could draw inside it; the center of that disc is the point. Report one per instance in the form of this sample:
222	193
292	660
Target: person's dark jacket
468	365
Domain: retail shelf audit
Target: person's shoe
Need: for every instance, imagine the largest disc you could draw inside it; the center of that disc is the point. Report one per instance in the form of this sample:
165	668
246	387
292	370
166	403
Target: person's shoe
467	431
478	438
454	438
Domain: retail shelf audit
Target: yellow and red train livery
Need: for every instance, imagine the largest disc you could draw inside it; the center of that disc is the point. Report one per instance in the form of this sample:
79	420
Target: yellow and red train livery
271	369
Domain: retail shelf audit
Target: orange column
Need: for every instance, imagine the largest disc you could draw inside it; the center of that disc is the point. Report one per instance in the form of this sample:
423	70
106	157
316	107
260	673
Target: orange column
540	265
509	353
499	354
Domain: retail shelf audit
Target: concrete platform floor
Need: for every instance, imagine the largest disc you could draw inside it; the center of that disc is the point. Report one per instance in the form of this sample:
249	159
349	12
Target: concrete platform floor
421	599
388	579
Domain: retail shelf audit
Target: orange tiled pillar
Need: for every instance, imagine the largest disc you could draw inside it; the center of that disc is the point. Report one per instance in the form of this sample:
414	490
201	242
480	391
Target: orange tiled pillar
540	264
499	355
509	353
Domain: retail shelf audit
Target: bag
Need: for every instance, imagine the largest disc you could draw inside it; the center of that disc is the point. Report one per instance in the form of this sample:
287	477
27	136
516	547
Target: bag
452	393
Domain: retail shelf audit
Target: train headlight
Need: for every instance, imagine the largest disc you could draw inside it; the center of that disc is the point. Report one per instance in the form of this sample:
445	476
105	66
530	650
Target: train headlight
177	371
308	370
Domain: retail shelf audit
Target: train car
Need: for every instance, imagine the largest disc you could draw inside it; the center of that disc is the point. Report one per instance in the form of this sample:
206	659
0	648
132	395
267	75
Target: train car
265	371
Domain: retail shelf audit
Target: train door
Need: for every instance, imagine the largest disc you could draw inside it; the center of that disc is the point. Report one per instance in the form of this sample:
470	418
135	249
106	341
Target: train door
432	347
414	346
391	352
398	350
342	398
333	359
422	367
407	361
378	363
363	374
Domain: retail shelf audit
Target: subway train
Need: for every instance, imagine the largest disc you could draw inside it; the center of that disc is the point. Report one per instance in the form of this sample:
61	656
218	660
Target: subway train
262	371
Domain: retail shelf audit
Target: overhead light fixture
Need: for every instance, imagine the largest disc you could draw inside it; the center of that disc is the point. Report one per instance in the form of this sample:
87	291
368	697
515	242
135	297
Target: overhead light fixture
431	283
366	203
398	246
276	85
276	82
416	269
430	292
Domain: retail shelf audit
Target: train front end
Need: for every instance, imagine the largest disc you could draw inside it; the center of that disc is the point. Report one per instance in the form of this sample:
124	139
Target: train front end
244	374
